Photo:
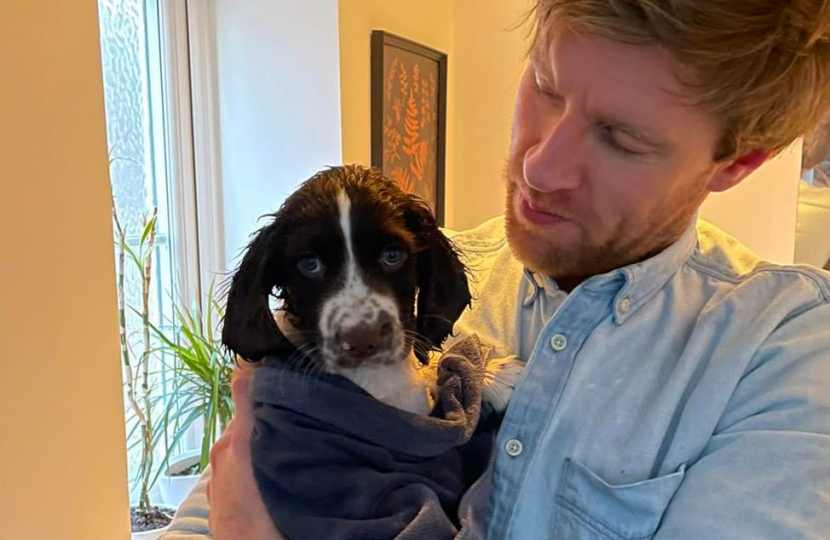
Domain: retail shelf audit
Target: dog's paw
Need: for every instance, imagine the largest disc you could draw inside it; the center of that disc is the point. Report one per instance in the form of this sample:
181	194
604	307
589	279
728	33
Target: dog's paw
500	378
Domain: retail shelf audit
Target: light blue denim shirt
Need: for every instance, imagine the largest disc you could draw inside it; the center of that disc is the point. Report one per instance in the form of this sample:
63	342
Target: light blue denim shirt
686	397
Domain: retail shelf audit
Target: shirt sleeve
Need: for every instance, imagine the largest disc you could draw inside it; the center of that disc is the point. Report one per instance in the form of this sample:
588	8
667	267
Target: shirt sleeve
191	519
765	473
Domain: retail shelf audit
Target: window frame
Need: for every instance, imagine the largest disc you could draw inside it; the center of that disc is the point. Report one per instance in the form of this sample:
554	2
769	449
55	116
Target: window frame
190	87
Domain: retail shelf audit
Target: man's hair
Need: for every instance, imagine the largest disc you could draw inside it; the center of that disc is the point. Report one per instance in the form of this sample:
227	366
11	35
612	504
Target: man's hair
761	66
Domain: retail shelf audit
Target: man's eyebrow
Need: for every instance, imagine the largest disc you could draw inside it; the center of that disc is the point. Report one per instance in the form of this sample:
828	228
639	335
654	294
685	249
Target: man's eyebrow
542	66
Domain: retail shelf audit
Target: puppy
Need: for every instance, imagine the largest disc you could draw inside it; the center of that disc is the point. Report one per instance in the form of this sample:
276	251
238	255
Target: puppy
368	287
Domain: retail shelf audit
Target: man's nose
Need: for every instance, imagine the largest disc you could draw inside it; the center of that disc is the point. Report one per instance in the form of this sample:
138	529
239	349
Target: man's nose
554	161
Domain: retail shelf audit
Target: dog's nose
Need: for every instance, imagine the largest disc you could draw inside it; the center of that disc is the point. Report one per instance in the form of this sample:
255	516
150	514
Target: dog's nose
361	341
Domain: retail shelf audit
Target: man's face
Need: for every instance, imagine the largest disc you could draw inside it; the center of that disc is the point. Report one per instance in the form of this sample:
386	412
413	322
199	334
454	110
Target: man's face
608	163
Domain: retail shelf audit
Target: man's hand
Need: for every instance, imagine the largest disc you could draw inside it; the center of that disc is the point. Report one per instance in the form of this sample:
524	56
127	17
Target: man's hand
236	508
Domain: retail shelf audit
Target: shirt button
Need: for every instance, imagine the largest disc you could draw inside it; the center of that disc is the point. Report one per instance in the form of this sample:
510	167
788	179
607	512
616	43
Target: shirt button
624	305
513	447
558	342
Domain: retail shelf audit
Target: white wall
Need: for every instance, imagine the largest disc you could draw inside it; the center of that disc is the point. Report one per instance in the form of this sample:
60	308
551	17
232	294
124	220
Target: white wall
761	211
63	472
279	105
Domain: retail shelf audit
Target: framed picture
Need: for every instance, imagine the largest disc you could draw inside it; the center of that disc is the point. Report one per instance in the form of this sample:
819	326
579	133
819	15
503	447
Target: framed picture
409	110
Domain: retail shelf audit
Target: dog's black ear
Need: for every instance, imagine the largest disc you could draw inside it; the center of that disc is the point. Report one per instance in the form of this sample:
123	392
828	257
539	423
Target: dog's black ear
249	328
443	290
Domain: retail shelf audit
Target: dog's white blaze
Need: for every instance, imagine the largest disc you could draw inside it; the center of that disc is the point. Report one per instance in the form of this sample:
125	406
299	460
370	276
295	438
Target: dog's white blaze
354	303
344	205
341	307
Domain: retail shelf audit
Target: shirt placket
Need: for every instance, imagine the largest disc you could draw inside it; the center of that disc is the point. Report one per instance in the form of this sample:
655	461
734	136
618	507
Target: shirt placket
534	402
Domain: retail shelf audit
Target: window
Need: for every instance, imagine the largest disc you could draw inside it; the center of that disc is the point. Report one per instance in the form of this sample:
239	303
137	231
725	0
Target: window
161	60
152	107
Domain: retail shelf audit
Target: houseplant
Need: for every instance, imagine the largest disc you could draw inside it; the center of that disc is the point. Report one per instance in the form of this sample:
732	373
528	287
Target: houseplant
148	520
201	368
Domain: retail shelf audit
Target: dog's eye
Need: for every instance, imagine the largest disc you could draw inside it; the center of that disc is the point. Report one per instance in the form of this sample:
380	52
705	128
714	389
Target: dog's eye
393	257
310	265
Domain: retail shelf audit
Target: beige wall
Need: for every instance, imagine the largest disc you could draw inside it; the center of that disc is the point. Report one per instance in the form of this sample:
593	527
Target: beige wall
62	458
489	58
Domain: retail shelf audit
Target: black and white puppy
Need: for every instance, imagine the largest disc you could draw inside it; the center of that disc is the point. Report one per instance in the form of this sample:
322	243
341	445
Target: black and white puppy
368	286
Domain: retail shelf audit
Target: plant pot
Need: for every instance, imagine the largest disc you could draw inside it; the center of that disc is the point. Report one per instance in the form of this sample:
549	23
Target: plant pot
153	534
175	488
149	535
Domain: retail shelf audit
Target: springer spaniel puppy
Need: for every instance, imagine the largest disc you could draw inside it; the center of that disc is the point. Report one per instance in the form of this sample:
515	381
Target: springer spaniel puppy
369	287
359	431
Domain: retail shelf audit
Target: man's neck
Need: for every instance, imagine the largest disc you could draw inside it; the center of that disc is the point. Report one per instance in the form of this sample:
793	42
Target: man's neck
568	284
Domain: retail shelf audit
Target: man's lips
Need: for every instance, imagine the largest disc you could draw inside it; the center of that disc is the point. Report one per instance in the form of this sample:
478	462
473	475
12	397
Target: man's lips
534	213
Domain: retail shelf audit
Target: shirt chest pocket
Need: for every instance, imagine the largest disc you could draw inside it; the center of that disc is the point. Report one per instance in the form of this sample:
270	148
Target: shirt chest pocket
588	508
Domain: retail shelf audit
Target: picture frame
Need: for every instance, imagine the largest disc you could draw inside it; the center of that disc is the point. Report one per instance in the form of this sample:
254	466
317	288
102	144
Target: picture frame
409	116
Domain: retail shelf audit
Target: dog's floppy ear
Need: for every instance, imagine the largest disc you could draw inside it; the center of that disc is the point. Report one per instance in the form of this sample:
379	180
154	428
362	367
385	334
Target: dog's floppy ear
443	291
249	328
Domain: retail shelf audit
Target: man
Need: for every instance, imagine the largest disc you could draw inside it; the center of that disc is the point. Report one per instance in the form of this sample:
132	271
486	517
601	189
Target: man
676	386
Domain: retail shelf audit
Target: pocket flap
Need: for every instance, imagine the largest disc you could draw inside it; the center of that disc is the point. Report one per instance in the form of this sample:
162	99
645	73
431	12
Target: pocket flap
629	511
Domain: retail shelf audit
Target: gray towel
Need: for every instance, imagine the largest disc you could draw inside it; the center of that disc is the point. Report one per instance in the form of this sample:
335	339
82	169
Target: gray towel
333	463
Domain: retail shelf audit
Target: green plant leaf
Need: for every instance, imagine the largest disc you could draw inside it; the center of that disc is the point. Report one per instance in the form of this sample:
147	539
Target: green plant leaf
149	227
134	257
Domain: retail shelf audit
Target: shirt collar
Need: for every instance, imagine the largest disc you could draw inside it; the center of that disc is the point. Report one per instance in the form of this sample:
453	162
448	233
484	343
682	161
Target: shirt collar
537	284
642	280
634	284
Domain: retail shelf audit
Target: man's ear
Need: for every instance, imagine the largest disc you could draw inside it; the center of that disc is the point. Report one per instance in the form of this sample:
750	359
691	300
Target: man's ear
730	173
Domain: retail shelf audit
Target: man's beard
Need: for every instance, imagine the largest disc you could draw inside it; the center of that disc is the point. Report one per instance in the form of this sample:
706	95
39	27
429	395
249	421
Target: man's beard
544	255
588	256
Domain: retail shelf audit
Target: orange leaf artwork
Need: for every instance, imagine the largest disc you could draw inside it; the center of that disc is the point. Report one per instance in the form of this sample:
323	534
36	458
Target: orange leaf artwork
420	155
409	121
401	177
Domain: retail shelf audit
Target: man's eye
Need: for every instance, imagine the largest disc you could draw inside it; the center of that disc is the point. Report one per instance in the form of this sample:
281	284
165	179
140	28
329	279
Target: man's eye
609	138
310	265
393	257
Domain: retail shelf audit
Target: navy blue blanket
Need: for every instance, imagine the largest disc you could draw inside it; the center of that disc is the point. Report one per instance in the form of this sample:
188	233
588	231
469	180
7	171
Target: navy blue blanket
333	463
